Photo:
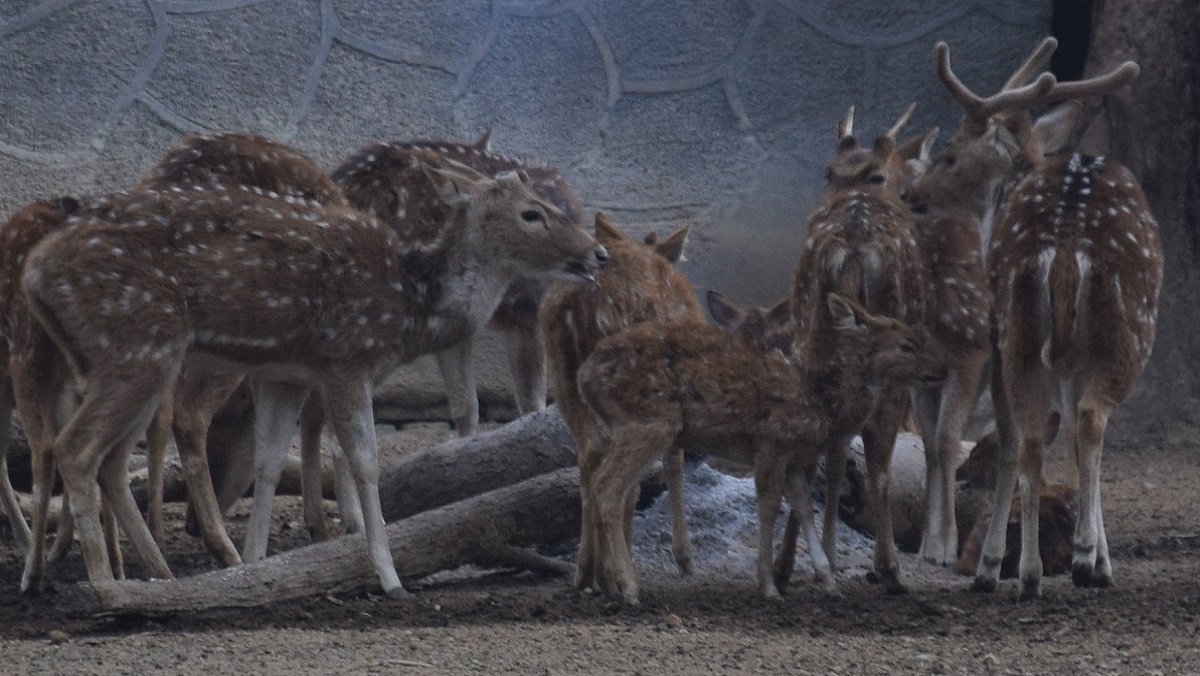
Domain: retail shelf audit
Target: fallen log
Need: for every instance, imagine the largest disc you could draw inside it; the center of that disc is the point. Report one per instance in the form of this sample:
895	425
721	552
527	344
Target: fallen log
489	530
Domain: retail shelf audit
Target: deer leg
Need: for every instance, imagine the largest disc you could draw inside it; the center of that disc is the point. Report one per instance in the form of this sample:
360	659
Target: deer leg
118	499
8	496
276	414
1090	564
1031	415
196	400
312	420
800	496
527	366
349	506
835	472
348	410
987	574
157	438
879	438
770	465
681	543
459	375
590	452
927	407
112	540
633	448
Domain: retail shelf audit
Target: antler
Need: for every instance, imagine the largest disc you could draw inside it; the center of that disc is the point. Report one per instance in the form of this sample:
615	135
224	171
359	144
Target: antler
1102	84
895	130
1034	63
979	109
846	127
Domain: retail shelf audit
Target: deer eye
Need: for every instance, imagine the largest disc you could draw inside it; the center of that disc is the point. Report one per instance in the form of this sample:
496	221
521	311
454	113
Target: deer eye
828	175
949	161
878	179
907	347
531	216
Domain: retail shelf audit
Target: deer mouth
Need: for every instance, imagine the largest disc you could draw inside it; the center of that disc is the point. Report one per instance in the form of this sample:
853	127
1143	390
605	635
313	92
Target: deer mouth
577	269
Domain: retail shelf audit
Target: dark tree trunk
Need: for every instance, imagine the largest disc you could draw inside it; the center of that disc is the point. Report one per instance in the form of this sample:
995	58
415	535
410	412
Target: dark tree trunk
1153	127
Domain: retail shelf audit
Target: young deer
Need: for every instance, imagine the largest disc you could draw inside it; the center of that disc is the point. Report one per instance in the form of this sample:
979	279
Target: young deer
724	392
300	295
1074	255
862	243
638	285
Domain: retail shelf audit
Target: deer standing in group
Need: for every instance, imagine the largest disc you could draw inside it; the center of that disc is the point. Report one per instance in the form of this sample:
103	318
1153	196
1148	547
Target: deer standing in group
1075	266
387	181
727	392
298	294
862	244
638	285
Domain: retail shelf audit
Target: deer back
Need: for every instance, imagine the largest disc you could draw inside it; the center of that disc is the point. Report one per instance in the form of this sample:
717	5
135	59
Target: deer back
238	160
1076	266
639	284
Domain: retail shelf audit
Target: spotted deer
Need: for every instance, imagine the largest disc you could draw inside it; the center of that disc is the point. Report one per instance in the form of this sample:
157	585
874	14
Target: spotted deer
302	296
1074	265
726	392
384	179
862	243
638	285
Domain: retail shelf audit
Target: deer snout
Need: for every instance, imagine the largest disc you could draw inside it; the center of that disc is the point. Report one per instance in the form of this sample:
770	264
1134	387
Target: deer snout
586	266
915	203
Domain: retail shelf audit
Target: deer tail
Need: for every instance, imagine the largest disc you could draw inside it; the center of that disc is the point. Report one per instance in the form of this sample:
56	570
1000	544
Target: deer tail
48	321
1065	282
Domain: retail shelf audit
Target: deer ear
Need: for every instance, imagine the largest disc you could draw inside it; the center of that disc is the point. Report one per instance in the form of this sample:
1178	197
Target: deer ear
513	179
671	248
1055	130
606	230
845	315
1005	141
723	311
484	143
452	187
781	312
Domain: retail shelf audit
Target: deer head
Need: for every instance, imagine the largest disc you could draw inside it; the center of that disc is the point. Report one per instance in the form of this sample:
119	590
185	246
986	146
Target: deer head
997	139
890	350
881	170
770	328
516	227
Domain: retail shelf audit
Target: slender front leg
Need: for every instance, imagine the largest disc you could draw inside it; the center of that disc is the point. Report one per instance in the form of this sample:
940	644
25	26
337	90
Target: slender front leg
879	438
312	420
8	496
276	415
681	543
157	437
769	469
987	573
800	496
835	473
459	375
526	366
347	401
1090	564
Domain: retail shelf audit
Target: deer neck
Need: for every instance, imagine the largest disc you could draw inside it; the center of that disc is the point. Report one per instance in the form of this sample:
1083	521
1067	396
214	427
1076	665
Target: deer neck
839	380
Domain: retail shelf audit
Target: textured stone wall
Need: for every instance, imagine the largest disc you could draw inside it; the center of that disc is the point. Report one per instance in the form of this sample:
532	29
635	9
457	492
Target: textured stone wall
717	113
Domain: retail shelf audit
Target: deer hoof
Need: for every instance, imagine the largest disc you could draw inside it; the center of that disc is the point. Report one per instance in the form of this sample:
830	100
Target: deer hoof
1031	589
983	584
399	593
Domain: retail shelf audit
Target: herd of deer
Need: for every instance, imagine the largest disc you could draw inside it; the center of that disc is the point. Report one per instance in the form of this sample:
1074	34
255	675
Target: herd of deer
139	313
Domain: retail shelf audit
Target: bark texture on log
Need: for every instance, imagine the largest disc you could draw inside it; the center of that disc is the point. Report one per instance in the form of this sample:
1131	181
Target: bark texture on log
488	529
459	468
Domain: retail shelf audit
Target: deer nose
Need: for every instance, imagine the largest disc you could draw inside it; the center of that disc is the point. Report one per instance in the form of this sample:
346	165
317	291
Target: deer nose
601	255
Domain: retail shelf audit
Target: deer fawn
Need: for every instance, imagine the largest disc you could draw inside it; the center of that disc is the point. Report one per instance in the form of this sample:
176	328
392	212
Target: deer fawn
240	298
638	285
862	243
1074	256
724	392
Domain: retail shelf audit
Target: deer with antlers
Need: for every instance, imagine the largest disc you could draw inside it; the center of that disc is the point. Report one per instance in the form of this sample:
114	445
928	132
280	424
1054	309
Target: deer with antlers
638	285
862	243
240	297
1074	265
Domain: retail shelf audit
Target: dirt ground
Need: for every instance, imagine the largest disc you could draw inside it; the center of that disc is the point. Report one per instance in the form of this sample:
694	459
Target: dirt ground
711	623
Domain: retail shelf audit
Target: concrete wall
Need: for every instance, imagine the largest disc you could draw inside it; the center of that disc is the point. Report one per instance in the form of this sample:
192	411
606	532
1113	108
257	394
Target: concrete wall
717	113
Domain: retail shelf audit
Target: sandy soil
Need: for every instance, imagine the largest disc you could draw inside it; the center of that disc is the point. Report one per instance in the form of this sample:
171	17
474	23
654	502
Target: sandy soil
713	622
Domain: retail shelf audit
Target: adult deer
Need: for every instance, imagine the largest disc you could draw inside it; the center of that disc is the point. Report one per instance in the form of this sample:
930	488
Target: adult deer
727	392
241	297
862	243
384	180
1075	265
638	285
